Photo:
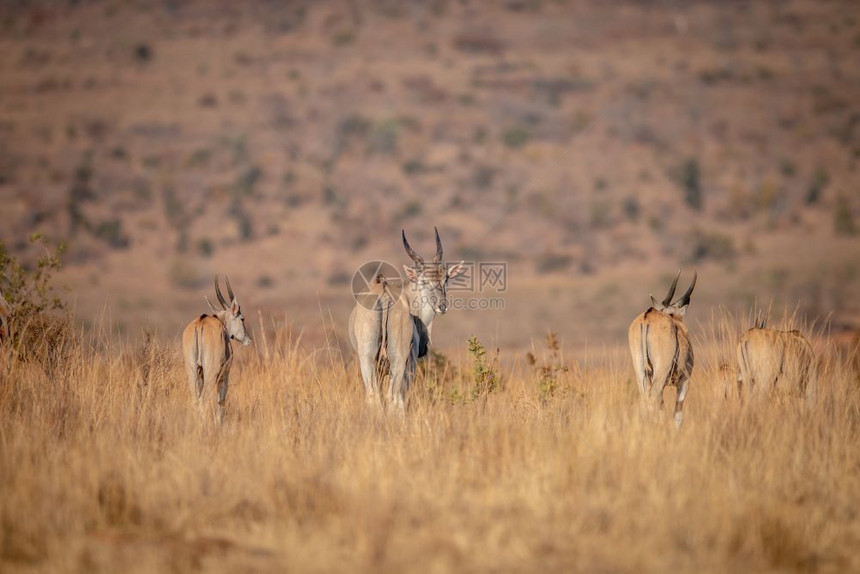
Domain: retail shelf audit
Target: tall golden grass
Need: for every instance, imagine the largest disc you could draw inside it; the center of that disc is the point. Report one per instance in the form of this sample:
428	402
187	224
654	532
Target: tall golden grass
105	466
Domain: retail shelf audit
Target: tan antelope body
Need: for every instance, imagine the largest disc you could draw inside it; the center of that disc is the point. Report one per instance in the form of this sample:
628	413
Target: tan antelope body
776	361
661	350
394	328
208	351
5	319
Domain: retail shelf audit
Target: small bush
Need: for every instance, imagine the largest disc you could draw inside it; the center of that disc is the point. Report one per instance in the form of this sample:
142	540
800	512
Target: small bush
411	209
413	167
690	179
599	214
516	137
37	334
185	274
174	209
354	125
143	53
632	208
247	181
27	288
550	369
709	245
787	168
330	196
820	179
478	41
199	157
111	232
265	282
485	379
208	100
770	196
384	136
244	224
343	38
205	247
552	263
843	217
483	177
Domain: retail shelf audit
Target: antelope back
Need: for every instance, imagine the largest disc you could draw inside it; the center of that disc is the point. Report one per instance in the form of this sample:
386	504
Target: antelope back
776	360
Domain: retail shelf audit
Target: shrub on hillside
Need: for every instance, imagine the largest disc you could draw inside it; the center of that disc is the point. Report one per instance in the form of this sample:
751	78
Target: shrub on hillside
843	218
39	330
704	245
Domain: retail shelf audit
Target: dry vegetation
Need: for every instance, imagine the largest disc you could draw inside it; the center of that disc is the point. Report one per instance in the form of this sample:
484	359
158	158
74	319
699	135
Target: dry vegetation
105	467
594	147
573	139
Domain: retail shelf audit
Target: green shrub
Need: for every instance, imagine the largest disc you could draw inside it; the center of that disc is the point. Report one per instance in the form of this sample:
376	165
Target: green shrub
38	334
110	231
516	137
205	247
552	263
632	209
690	177
705	245
843	217
383	137
485	379
550	369
27	287
819	181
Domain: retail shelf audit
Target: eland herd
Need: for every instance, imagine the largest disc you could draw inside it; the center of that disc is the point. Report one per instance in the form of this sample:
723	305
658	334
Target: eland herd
391	325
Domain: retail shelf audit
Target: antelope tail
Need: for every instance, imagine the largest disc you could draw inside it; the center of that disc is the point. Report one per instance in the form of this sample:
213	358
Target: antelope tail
198	346
386	305
674	370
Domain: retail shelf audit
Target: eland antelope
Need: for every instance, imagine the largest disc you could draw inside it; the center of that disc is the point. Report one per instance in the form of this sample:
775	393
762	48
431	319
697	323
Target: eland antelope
781	361
396	326
661	349
207	347
5	319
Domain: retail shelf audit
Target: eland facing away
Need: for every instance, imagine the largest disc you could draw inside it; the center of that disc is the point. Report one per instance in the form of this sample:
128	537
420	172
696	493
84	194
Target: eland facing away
393	323
207	348
661	349
776	361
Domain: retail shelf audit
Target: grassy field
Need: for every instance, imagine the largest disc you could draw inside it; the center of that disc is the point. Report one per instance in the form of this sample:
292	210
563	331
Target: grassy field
540	463
593	147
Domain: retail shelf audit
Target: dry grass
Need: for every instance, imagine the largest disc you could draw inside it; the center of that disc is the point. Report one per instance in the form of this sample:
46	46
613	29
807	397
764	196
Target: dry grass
104	467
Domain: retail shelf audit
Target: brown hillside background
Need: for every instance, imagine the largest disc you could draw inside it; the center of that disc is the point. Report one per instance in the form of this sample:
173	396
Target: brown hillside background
594	147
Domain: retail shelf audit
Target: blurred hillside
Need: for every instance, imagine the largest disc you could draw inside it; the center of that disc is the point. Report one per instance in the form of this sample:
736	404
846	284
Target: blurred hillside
594	147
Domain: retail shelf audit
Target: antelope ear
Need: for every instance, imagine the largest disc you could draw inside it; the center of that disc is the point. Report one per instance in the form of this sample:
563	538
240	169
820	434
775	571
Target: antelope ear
680	311
457	269
655	304
234	307
411	273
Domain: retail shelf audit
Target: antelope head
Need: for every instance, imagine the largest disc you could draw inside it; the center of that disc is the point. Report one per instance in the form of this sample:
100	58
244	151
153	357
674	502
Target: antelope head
230	314
679	307
430	280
